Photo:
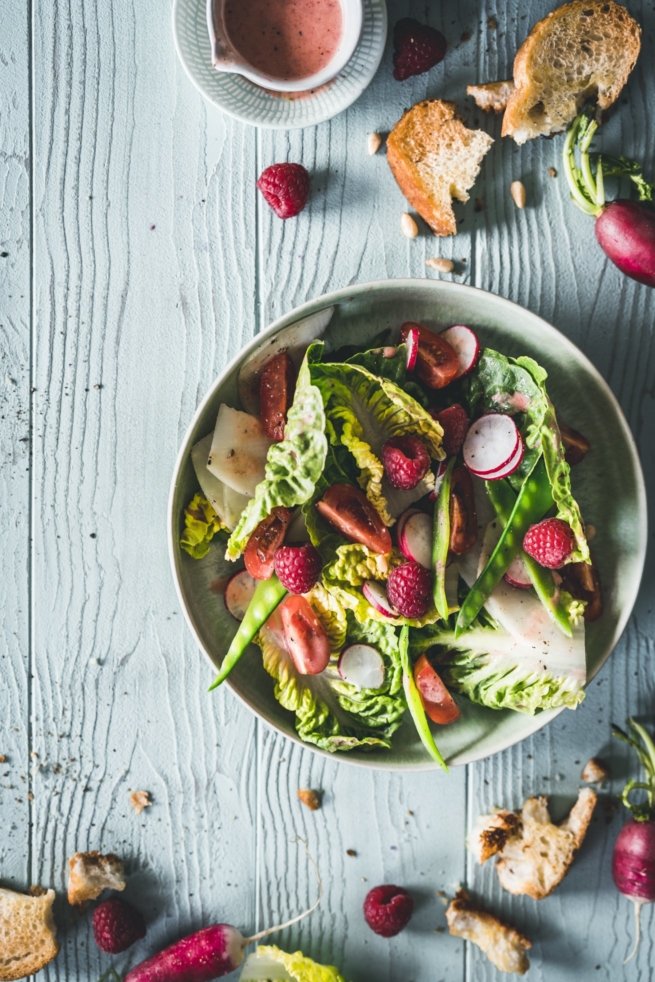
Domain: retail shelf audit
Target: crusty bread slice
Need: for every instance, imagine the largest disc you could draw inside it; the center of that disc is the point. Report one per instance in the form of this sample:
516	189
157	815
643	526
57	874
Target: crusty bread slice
585	49
492	97
435	158
27	933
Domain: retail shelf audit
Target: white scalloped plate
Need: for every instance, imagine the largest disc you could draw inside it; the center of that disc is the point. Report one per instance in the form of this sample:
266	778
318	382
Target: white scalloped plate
238	97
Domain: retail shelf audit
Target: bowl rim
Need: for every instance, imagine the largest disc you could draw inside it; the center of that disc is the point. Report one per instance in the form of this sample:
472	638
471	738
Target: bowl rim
534	723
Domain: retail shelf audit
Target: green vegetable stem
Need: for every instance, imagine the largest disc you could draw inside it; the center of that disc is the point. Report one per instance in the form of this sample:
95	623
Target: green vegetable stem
641	741
268	594
533	501
441	541
414	703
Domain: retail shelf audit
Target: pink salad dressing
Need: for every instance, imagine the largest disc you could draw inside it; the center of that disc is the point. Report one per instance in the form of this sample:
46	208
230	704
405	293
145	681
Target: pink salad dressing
286	39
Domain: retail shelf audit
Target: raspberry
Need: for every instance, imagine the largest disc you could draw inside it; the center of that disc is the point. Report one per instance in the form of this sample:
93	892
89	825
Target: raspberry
408	589
117	925
387	909
406	461
417	48
285	187
549	542
298	567
455	425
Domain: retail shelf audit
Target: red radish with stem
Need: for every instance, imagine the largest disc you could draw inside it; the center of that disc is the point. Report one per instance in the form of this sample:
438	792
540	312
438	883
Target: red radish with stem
625	228
633	861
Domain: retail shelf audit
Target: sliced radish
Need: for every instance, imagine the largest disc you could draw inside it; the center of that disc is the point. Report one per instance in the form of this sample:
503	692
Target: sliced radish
412	340
377	597
466	344
415	539
490	443
517	574
361	665
400	524
238	593
441	470
509	467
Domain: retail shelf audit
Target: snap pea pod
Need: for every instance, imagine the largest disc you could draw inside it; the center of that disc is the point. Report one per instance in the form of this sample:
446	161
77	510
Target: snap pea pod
414	703
441	541
268	594
502	498
533	501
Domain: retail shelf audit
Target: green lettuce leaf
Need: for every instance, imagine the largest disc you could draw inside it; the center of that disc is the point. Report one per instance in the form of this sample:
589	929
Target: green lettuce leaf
201	524
293	466
269	964
517	386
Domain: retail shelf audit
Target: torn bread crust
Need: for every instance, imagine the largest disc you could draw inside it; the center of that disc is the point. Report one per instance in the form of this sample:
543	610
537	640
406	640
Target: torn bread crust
537	855
90	873
491	832
504	946
28	935
491	97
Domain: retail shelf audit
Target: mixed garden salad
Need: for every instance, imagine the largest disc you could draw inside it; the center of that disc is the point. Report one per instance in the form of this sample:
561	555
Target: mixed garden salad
406	531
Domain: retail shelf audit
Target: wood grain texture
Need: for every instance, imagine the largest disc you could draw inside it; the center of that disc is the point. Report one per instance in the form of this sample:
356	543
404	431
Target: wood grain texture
154	261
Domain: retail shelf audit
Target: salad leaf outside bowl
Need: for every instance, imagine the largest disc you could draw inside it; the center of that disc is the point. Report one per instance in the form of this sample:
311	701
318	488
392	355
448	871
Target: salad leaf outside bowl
609	486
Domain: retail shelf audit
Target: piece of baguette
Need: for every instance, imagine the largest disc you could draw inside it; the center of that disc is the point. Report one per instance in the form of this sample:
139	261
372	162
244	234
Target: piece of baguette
27	933
89	873
583	50
491	97
435	158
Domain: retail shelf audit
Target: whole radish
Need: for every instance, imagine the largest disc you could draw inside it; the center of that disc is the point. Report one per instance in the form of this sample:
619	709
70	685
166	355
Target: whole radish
625	228
633	860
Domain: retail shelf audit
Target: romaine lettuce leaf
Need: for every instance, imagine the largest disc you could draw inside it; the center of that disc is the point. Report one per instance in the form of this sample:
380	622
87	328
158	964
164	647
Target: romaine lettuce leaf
269	964
293	466
201	524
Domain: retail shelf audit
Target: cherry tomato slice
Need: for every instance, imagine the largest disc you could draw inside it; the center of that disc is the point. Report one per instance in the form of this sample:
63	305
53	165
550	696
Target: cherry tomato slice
455	423
437	364
463	520
276	384
259	555
306	640
350	511
437	701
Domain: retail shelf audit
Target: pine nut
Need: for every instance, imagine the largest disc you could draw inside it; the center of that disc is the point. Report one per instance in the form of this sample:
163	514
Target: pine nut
374	143
408	226
441	265
517	191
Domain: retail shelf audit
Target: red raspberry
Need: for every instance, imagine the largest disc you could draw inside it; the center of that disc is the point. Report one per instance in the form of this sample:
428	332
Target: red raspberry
549	542
417	48
406	461
408	588
298	567
387	909
455	423
285	187
117	925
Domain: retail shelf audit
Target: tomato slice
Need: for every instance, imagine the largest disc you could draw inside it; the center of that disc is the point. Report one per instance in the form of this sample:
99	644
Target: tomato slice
259	555
463	520
306	640
437	364
276	384
350	511
437	701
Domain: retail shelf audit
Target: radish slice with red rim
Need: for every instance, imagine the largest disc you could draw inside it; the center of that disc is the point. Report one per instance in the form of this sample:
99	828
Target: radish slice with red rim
362	665
517	574
400	524
415	539
466	344
376	595
509	468
491	444
238	593
412	340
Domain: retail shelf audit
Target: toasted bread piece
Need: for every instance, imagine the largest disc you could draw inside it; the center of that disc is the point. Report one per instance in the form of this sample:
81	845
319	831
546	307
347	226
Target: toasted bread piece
435	158
491	832
27	933
504	946
90	873
491	97
585	49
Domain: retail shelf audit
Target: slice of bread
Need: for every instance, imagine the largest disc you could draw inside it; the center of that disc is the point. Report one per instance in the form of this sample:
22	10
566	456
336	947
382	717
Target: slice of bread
435	158
27	934
584	50
492	97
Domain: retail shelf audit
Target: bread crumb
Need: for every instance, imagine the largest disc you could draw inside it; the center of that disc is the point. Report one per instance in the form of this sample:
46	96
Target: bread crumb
408	226
552	171
374	143
3	758
309	798
595	771
140	800
351	852
492	23
517	191
441	265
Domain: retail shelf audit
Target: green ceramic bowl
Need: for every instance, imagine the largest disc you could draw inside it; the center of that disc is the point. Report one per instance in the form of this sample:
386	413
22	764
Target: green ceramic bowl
609	487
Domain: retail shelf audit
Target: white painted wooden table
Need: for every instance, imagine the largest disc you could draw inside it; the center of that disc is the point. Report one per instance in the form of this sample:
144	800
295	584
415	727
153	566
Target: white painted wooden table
136	257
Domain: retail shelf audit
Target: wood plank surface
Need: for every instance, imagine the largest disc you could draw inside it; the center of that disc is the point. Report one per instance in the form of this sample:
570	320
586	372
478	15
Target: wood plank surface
153	261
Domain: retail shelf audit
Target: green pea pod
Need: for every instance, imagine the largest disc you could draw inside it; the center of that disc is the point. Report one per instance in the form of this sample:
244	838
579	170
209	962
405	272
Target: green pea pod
441	541
503	498
533	501
413	697
268	594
